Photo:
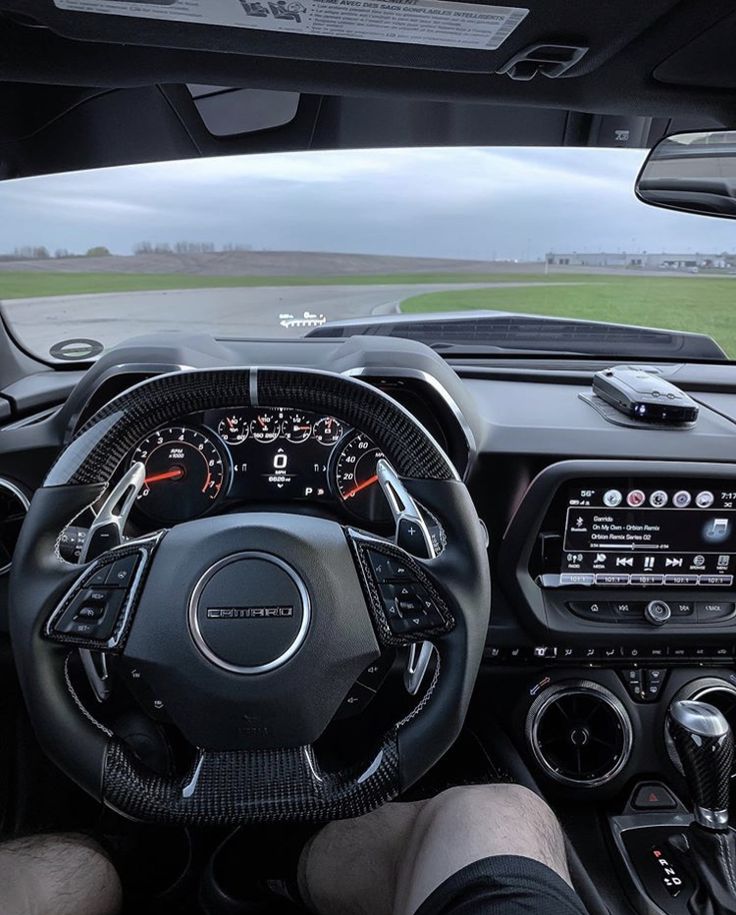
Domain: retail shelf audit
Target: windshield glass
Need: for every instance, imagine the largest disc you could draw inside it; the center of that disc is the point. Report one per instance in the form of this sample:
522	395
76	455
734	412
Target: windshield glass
277	245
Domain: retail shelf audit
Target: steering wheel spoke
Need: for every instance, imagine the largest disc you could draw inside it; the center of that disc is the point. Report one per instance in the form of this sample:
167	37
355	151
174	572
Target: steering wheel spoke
96	611
406	602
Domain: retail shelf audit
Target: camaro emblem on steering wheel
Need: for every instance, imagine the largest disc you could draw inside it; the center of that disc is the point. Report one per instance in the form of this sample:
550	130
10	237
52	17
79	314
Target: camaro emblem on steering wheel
260	636
249	613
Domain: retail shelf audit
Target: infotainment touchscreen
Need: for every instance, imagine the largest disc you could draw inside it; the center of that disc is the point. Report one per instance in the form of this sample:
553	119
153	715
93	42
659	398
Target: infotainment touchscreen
643	534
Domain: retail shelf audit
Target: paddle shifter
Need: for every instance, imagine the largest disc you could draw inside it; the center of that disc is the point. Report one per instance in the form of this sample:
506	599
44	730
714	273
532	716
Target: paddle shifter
704	745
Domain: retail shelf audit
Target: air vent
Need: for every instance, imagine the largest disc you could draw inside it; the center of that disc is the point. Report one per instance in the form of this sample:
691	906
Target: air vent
714	691
580	733
13	509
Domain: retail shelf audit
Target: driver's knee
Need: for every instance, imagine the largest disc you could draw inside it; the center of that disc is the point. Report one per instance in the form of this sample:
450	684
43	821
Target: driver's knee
467	824
392	859
57	875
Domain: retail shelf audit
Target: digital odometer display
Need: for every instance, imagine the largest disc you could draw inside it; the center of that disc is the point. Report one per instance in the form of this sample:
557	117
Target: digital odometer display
640	534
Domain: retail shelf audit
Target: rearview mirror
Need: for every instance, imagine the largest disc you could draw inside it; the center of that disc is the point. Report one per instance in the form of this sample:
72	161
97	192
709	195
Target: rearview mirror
692	172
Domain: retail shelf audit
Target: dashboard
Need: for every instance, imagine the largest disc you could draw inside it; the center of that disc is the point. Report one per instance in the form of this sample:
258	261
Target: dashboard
221	459
612	549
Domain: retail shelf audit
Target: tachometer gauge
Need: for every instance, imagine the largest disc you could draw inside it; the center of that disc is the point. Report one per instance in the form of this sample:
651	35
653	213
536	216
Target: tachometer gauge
356	480
266	427
328	430
185	473
233	429
296	427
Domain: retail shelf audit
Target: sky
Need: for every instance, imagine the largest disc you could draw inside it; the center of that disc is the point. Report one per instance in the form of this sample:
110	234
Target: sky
503	203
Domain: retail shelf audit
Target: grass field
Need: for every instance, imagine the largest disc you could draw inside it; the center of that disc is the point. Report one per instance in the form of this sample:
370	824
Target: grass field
27	284
699	304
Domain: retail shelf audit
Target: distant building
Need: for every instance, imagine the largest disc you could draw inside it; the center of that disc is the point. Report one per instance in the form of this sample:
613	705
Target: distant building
642	260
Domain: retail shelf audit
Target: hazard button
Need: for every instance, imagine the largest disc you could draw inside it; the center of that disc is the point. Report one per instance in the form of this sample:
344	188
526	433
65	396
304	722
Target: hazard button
653	797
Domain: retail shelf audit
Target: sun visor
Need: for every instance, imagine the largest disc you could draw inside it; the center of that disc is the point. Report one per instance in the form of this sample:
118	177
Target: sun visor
444	35
706	61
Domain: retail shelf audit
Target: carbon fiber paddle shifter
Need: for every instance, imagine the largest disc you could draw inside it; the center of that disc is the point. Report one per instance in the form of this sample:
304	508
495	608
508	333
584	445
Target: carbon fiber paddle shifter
704	744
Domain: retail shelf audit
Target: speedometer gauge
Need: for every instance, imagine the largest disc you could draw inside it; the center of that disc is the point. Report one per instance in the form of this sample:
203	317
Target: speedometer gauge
185	473
356	480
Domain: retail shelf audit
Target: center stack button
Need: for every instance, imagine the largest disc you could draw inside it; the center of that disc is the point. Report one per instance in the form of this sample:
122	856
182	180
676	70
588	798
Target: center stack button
657	612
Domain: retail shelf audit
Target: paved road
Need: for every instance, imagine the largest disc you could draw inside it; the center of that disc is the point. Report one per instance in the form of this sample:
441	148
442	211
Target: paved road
235	312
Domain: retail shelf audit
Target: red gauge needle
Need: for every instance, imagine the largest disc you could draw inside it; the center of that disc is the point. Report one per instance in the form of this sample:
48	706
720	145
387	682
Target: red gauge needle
361	486
176	474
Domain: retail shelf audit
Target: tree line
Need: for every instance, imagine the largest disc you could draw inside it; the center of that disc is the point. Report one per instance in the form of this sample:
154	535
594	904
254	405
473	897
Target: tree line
41	252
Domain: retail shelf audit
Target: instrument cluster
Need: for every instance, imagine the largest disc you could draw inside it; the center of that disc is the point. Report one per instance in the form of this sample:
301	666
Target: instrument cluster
258	455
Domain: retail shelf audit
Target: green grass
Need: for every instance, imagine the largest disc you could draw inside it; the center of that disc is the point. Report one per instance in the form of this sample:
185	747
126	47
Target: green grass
699	304
19	284
696	303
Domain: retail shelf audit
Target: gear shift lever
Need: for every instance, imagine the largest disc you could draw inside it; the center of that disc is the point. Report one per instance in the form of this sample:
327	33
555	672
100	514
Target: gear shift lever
704	744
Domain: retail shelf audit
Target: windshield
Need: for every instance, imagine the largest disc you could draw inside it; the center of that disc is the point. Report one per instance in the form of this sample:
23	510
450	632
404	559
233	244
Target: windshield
279	245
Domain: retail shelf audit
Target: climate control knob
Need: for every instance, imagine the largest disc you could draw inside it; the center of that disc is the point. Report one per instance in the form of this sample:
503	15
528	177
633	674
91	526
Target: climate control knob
657	612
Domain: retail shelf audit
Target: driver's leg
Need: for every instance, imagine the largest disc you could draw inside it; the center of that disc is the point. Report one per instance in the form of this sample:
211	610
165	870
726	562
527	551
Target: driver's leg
57	875
502	842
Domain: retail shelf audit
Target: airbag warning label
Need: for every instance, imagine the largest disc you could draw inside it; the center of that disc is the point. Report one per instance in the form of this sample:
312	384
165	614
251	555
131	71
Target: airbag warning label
441	23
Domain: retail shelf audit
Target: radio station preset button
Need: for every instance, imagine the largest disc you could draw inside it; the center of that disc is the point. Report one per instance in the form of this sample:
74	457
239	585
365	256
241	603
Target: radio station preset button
681	581
568	579
646	580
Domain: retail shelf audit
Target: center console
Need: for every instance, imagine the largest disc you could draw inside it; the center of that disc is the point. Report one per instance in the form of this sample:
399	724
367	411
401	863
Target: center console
617	605
622	576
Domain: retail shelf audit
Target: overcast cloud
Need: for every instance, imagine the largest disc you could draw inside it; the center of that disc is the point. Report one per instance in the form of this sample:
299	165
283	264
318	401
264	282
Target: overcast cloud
465	203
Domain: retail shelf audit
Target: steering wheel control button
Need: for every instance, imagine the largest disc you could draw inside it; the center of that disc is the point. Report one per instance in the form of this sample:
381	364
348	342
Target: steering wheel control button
386	568
374	675
92	613
355	701
99	579
122	571
657	612
249	613
409	608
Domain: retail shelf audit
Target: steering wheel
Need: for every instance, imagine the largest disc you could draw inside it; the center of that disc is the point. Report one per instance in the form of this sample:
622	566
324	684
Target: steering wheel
250	628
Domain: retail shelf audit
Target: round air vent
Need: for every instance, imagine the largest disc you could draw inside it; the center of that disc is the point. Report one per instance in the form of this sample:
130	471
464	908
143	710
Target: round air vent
13	508
580	733
714	691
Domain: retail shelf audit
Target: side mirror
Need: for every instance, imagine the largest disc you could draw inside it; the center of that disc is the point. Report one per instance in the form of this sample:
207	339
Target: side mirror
692	172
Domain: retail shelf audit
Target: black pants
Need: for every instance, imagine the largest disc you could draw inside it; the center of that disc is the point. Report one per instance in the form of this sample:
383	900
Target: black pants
503	885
